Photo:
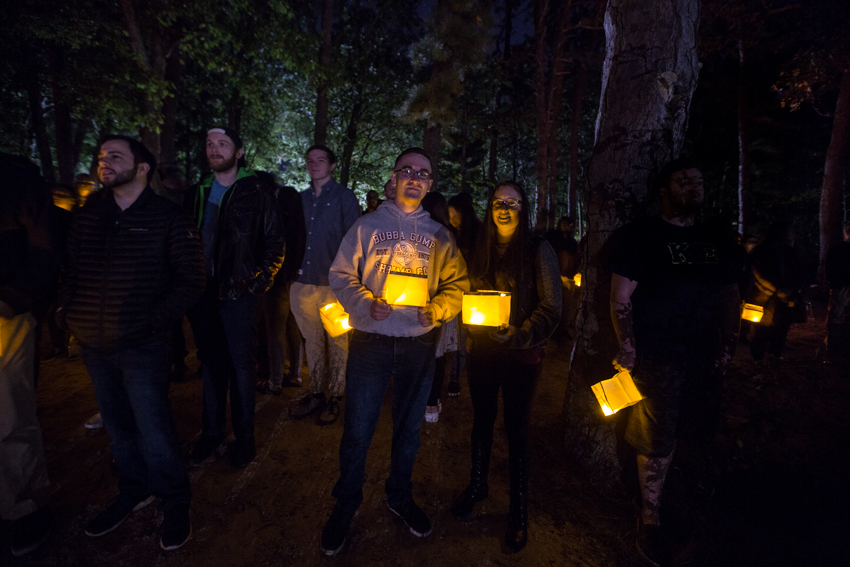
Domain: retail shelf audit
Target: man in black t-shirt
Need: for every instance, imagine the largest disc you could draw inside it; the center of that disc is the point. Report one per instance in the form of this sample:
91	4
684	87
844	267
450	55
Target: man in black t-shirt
675	308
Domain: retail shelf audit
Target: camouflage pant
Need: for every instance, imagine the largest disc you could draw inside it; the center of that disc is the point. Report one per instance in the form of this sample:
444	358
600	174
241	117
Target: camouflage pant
326	357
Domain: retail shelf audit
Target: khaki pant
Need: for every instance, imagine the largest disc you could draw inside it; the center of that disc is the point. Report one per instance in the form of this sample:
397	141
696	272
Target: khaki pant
326	357
24	487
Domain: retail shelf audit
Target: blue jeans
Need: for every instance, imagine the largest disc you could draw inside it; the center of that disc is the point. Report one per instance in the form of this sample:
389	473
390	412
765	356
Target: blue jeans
132	393
225	336
372	360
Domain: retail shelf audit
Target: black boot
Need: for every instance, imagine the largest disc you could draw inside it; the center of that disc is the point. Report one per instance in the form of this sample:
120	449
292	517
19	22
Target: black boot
477	489
517	535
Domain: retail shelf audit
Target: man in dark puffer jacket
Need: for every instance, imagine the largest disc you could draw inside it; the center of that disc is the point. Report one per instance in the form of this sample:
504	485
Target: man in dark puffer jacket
243	249
135	266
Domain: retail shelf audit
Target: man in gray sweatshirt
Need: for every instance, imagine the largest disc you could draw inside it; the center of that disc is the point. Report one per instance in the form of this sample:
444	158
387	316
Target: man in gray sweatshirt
398	242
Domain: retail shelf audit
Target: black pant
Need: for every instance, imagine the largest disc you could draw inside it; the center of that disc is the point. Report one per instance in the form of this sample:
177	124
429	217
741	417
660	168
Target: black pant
518	381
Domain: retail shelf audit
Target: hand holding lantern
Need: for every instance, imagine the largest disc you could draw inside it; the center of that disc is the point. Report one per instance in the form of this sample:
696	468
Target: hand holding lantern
427	315
380	309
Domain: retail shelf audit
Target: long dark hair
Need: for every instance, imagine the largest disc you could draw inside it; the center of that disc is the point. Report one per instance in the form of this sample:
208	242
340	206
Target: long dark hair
435	205
515	265
469	225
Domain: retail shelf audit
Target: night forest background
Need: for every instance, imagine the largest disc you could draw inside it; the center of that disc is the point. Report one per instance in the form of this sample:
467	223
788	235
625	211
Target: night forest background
498	89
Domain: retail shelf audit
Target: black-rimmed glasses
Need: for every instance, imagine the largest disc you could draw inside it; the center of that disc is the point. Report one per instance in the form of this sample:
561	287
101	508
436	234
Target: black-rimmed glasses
507	204
410	173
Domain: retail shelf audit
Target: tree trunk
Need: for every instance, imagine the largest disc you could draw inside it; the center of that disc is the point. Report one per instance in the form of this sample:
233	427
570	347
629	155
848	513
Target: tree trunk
649	76
61	122
79	138
556	91
350	140
168	135
42	142
432	139
744	154
541	92
833	176
575	131
320	135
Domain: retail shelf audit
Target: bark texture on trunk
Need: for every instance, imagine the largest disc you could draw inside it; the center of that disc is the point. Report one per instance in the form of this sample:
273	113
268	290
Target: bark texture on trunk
320	134
350	140
649	76
833	176
744	154
61	122
432	139
42	142
168	136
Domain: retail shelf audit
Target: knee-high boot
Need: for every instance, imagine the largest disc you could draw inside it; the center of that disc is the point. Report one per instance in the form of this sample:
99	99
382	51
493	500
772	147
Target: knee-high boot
477	489
517	534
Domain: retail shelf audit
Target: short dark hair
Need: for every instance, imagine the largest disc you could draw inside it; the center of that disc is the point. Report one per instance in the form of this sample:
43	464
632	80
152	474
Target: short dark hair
416	150
327	150
675	166
141	154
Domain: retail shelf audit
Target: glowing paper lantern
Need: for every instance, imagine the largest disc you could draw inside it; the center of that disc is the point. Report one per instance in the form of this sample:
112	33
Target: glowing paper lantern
577	279
752	312
407	289
488	308
335	319
616	393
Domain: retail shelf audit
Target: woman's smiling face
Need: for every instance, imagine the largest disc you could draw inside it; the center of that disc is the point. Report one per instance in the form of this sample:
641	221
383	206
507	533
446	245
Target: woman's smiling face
506	220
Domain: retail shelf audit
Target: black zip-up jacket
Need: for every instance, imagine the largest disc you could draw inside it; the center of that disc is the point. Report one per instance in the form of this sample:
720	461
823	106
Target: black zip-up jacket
131	274
250	243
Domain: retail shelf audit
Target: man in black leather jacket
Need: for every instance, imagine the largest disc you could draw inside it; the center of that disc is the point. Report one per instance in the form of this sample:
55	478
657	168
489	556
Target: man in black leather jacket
243	243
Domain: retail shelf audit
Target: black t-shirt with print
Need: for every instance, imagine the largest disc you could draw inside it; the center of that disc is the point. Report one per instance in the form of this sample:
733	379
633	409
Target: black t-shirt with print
679	271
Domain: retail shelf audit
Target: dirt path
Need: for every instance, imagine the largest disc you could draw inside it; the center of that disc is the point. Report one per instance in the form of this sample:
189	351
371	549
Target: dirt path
773	491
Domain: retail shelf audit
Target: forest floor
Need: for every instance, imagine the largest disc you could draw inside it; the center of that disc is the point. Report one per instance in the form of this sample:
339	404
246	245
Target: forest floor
771	490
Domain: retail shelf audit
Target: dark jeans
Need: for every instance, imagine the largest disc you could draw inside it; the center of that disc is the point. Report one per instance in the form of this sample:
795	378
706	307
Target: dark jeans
518	381
437	383
372	359
225	336
132	393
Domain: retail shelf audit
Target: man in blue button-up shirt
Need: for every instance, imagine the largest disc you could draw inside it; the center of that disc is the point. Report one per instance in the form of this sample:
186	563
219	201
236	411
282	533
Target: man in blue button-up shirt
329	211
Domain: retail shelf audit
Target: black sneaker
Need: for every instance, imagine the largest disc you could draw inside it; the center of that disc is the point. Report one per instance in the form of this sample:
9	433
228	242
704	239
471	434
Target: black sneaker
31	531
651	544
176	529
243	452
454	388
291	381
114	515
335	531
307	405
414	517
205	447
330	413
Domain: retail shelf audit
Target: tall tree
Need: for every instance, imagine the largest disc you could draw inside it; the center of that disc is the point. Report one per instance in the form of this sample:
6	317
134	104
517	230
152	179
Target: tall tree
320	134
455	43
550	59
649	76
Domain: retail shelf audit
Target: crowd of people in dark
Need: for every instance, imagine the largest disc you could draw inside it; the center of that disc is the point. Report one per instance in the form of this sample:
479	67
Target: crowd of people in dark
110	268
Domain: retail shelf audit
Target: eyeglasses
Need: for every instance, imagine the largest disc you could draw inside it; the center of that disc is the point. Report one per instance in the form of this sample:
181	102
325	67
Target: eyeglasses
508	204
410	173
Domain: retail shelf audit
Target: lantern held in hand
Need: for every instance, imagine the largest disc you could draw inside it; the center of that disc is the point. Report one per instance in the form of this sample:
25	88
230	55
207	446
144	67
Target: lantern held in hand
616	393
406	289
577	279
752	312
488	308
335	319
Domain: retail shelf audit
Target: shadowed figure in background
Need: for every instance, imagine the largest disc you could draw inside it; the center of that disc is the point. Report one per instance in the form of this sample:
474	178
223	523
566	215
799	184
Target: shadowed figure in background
778	279
675	308
29	266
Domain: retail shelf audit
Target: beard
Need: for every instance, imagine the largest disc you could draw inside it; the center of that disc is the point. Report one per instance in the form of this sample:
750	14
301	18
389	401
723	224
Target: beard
225	165
118	179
